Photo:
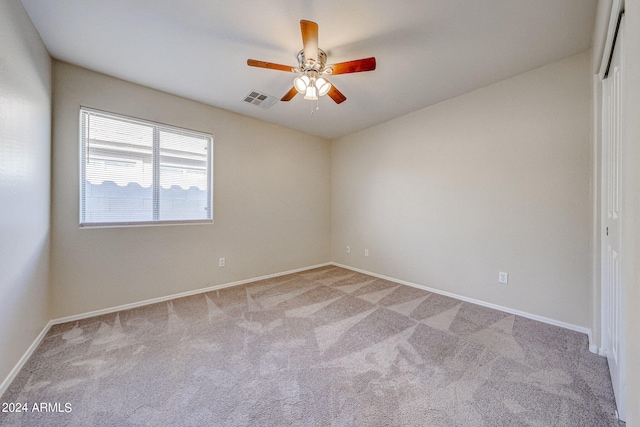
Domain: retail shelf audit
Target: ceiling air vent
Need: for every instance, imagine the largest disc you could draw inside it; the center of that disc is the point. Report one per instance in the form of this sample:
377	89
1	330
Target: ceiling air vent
260	99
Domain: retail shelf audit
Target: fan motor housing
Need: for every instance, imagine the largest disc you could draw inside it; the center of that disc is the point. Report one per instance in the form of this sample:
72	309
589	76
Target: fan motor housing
310	64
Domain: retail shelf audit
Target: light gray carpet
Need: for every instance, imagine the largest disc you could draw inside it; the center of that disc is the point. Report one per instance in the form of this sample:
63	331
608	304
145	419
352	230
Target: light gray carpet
326	347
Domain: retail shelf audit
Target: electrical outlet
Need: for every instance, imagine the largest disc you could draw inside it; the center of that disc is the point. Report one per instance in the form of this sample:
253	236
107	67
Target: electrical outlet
348	249
366	252
503	277
221	262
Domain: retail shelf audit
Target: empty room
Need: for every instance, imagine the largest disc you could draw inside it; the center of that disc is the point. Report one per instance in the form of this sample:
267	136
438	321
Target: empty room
336	213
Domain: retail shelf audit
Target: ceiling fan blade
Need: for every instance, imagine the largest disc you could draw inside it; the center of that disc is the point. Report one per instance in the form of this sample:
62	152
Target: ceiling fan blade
289	96
356	66
270	65
336	95
309	39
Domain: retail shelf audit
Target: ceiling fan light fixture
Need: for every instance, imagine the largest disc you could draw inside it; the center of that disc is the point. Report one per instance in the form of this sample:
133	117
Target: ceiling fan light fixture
301	83
323	86
312	66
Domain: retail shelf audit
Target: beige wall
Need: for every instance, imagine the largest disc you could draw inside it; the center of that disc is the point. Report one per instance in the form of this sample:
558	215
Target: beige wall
25	141
271	203
494	180
631	241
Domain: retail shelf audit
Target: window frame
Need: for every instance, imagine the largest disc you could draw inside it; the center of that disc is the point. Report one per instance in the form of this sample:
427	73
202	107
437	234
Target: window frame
155	186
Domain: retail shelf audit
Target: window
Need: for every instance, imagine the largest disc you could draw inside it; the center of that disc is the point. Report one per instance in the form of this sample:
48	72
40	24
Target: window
136	172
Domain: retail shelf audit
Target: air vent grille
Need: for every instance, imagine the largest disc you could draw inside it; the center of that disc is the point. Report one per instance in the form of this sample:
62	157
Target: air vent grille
260	99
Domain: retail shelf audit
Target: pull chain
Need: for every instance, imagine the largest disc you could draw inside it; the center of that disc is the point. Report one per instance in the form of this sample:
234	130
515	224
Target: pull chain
313	110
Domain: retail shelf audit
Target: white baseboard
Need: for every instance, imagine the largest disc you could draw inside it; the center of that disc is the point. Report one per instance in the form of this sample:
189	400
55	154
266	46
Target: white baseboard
7	381
14	372
592	348
179	295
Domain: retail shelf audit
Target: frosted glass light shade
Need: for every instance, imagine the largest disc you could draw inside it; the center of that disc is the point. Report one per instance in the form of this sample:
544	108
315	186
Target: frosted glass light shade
311	93
323	86
301	83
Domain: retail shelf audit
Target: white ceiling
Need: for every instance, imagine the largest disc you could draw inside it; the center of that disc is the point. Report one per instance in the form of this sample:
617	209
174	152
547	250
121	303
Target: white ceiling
426	50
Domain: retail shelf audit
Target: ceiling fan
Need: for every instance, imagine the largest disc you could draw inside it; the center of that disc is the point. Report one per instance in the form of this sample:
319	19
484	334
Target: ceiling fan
312	65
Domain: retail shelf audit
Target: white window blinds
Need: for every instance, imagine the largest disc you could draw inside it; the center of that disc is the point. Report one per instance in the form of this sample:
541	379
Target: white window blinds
139	172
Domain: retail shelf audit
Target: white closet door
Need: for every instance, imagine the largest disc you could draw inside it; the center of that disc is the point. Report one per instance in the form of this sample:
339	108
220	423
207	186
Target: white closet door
613	295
